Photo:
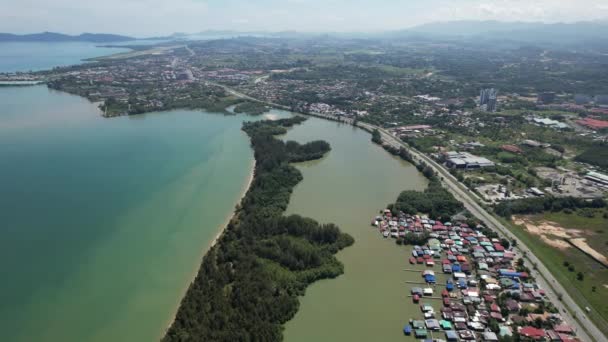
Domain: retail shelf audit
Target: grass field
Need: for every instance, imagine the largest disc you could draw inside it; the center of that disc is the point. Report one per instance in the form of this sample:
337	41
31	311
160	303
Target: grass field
592	291
596	226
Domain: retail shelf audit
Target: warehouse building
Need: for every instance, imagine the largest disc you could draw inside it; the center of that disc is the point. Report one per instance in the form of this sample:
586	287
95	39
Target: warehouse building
466	161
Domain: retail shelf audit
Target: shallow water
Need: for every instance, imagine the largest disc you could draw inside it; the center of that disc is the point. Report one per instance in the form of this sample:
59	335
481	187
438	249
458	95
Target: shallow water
104	221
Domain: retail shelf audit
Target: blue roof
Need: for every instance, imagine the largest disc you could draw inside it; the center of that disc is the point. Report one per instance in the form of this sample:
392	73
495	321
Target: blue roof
451	334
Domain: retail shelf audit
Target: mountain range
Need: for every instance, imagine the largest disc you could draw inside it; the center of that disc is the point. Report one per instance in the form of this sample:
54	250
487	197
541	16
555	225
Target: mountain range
566	33
585	32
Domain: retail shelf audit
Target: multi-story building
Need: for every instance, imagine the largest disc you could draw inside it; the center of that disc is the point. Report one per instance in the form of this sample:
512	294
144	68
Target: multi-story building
488	99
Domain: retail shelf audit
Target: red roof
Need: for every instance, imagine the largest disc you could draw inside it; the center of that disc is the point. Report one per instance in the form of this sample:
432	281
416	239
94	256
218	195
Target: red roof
532	332
496	315
499	247
566	338
564	328
511	148
593	123
599	110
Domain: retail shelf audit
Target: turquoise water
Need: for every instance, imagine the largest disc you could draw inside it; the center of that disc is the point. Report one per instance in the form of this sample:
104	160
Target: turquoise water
104	221
35	56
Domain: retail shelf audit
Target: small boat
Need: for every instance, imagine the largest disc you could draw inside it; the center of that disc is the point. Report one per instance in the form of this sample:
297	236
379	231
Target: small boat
407	330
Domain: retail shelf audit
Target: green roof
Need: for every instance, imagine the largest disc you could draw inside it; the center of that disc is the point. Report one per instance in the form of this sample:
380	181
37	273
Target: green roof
445	324
420	332
506	282
418	324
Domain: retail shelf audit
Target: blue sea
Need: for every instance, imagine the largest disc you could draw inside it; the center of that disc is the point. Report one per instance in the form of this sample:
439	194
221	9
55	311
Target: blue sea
36	56
103	222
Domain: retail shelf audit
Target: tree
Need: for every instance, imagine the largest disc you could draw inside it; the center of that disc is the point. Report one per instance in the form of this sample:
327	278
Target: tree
580	276
235	296
469	103
376	136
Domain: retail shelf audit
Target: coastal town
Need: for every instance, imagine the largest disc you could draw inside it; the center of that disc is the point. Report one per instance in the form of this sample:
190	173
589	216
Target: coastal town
533	159
470	287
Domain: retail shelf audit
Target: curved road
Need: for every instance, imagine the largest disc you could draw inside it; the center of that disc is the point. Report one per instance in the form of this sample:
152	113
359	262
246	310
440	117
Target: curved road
570	310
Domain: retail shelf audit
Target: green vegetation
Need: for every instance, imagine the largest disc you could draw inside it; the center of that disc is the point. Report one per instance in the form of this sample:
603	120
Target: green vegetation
251	108
376	137
425	144
248	284
413	239
590	222
435	201
582	291
151	98
595	155
541	204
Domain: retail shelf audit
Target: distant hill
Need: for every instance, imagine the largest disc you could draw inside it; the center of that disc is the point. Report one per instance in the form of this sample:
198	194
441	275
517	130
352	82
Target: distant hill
59	37
532	32
471	27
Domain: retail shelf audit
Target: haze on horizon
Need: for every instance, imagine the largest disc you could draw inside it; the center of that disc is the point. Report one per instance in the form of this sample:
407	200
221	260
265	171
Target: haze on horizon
162	17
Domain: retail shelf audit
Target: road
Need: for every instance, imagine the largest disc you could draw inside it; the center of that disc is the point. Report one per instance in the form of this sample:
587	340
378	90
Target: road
572	313
570	310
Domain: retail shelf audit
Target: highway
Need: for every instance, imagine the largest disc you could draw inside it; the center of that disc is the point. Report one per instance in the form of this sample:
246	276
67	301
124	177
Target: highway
569	309
572	313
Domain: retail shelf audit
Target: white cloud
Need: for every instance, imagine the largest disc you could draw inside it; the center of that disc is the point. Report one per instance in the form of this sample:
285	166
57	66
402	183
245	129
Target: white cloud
522	10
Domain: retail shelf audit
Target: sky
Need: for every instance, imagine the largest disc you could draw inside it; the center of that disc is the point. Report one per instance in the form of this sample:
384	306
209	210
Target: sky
161	17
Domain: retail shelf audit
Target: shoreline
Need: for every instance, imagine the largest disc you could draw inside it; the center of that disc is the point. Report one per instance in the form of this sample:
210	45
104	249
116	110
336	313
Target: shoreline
211	244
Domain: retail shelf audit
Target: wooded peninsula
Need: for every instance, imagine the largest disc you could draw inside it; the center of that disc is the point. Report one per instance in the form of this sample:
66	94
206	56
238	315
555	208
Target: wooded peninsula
249	282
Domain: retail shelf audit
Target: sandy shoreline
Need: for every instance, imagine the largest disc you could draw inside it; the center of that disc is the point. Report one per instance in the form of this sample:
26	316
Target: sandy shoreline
210	245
